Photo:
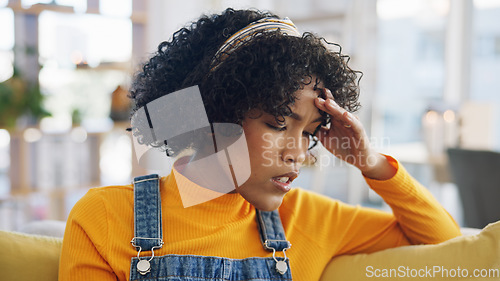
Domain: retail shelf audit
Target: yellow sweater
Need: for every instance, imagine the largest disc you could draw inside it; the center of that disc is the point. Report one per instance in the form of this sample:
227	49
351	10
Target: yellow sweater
99	229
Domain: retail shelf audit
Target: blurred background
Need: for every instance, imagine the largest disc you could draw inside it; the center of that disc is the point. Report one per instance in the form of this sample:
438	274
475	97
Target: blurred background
430	95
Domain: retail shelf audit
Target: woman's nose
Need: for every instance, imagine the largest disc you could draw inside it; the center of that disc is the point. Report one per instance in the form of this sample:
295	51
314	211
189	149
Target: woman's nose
294	150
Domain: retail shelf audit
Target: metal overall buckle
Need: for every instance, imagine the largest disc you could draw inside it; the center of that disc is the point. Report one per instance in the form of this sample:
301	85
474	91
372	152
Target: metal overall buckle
281	265
144	266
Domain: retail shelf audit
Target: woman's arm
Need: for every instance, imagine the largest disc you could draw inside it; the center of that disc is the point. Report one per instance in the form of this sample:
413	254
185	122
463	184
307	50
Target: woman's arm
419	216
85	242
346	139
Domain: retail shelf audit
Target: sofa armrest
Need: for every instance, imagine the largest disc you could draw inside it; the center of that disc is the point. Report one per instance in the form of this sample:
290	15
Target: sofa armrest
463	254
29	257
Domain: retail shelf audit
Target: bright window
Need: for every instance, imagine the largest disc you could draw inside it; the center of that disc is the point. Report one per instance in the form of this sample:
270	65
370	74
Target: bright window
7	43
410	65
27	3
119	8
68	38
78	5
101	46
485	64
6	29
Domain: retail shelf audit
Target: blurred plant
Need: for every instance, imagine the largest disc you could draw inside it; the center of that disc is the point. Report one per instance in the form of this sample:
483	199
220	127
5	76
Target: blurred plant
76	116
19	98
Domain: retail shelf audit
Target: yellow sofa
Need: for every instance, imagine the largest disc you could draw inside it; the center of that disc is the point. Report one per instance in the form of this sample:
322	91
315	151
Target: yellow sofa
26	257
470	257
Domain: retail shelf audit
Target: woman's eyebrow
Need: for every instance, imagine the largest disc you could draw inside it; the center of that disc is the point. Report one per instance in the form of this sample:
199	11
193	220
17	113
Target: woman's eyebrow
299	118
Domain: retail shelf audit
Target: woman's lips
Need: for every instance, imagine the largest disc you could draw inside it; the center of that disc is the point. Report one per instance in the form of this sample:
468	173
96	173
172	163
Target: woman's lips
283	182
282	186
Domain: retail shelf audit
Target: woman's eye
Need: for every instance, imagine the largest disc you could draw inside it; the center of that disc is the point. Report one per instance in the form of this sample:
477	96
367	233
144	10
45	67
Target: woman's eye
276	128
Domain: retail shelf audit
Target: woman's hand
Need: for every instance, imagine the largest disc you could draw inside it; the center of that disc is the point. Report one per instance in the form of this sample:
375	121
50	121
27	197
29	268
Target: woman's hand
346	139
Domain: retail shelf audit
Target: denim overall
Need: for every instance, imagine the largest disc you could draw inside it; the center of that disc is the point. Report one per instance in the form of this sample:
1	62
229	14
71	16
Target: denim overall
149	237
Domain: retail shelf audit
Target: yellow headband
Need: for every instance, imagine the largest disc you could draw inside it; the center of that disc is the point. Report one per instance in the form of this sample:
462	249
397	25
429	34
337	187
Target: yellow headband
285	26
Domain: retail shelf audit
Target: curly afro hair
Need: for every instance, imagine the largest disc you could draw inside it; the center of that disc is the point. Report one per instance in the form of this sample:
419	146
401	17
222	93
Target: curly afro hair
264	73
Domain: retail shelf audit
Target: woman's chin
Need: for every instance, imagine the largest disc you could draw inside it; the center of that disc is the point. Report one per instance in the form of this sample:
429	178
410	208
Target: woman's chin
263	197
268	204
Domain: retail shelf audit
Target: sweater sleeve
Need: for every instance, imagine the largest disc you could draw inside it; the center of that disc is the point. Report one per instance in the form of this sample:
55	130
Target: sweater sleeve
418	214
416	218
83	255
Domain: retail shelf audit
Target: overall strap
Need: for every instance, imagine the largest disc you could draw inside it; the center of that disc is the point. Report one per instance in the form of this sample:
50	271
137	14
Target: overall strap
147	213
272	234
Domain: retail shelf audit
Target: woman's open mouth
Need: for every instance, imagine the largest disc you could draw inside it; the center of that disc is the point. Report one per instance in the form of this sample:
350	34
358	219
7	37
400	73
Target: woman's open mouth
283	182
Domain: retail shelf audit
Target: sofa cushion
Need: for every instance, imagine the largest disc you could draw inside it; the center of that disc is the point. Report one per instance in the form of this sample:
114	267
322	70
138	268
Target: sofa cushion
29	257
464	255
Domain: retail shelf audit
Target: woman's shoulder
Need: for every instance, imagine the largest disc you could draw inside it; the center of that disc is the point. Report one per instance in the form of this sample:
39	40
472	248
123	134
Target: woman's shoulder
112	198
100	200
109	193
103	212
112	190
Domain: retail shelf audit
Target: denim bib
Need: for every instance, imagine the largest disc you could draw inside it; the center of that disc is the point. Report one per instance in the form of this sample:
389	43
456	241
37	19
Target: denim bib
149	237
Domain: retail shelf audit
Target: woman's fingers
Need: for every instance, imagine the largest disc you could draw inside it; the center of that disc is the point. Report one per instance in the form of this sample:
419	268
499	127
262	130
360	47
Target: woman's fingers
346	136
343	123
337	110
337	113
328	93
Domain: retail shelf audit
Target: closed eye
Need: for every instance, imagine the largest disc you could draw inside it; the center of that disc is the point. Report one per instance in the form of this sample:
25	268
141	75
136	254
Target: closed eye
276	128
283	128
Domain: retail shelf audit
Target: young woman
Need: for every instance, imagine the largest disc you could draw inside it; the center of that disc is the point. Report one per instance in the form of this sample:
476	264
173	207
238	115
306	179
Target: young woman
286	90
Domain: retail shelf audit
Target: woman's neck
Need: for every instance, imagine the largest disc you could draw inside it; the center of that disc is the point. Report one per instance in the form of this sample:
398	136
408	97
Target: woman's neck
209	172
